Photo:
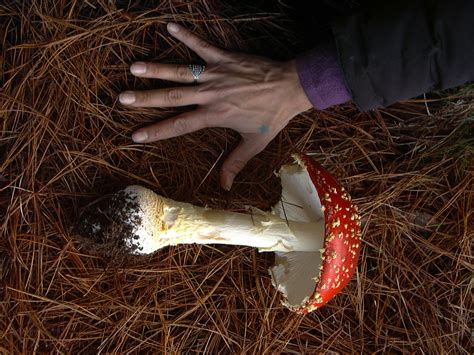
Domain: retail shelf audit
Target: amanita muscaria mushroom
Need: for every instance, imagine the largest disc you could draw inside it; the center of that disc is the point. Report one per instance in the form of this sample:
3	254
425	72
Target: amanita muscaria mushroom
314	231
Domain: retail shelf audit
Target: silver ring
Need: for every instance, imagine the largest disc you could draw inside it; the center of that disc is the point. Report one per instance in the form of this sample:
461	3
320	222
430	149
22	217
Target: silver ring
196	70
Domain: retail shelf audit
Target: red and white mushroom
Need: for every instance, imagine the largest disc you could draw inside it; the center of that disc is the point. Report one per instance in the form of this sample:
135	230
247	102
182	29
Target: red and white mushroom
314	231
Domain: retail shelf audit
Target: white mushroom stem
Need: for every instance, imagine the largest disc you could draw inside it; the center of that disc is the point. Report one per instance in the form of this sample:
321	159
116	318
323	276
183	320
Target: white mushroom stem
165	222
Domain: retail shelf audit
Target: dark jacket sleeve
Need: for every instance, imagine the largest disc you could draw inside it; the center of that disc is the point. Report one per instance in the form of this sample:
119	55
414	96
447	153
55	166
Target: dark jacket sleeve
405	49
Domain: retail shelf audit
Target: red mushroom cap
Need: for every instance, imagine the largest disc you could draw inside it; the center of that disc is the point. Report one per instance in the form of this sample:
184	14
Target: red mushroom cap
342	235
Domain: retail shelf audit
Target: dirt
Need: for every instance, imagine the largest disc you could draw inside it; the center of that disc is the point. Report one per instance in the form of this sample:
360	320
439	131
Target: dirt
106	226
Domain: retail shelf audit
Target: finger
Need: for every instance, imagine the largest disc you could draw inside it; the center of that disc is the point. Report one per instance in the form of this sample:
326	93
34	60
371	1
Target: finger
237	160
172	97
172	72
177	126
205	50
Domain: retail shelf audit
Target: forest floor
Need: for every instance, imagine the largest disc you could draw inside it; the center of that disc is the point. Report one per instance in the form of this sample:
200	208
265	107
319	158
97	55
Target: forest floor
65	142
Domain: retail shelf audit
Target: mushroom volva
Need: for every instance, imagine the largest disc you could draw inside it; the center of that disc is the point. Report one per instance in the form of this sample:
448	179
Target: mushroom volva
314	231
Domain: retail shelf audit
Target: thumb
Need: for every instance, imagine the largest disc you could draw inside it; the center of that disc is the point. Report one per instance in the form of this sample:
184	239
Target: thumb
237	160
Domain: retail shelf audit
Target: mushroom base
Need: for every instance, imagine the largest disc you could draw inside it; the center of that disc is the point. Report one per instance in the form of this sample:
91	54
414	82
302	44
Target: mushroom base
104	228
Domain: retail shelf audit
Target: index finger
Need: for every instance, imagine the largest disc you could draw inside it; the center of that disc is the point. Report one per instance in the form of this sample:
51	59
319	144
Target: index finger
205	50
184	123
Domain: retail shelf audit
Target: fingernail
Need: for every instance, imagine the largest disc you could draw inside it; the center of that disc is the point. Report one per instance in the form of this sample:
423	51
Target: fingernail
127	98
138	68
172	27
227	185
139	136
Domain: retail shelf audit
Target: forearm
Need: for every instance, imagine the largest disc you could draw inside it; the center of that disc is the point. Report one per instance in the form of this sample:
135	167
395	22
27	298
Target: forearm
391	52
398	50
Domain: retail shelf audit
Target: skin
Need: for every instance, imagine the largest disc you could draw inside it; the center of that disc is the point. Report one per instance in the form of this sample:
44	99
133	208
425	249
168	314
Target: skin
254	96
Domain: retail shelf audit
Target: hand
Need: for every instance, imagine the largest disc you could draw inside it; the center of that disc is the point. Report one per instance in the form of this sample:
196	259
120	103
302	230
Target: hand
255	96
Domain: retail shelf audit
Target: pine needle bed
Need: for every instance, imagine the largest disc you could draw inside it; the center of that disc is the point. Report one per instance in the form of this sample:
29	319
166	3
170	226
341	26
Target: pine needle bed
65	142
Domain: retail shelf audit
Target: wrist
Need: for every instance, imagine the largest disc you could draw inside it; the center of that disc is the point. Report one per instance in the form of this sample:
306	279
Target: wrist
295	93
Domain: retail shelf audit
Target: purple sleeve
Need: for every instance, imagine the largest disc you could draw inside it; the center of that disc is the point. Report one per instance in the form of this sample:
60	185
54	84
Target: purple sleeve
321	76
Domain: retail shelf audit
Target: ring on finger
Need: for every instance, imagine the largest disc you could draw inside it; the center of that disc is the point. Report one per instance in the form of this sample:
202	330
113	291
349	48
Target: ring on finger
196	71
